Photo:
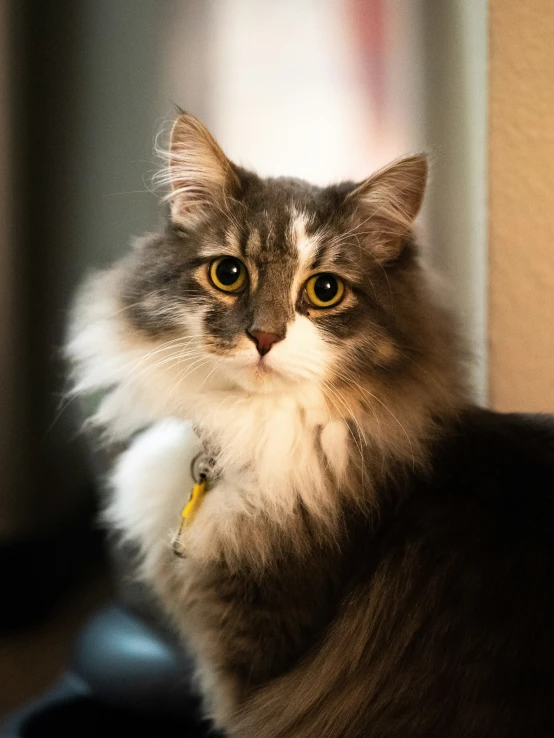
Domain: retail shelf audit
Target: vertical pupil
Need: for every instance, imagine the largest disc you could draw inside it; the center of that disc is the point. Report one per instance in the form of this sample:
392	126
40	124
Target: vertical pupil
325	287
228	271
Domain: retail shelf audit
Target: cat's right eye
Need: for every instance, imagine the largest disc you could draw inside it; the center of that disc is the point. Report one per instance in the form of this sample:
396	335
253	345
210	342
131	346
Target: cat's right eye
228	274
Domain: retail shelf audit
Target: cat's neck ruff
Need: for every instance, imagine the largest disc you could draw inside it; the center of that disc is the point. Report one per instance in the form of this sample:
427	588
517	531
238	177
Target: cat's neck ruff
277	459
276	446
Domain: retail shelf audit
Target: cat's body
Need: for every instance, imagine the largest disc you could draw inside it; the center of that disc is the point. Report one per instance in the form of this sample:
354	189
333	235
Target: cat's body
434	620
373	556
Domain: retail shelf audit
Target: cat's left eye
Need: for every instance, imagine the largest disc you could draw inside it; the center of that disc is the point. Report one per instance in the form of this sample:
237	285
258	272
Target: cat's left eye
324	290
228	274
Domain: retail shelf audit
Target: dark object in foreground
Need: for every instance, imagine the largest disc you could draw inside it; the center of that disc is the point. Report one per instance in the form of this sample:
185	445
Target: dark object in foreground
126	679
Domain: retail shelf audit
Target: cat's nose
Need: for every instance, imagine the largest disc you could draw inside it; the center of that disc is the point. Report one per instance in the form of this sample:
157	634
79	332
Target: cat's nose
264	341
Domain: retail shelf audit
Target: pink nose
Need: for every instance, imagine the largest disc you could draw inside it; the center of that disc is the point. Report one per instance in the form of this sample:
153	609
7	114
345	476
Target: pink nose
264	341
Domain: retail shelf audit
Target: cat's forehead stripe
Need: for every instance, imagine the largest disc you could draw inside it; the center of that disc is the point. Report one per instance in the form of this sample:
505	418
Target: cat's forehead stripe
306	245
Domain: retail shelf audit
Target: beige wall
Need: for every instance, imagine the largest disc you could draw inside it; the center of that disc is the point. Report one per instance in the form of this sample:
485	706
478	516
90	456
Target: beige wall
521	204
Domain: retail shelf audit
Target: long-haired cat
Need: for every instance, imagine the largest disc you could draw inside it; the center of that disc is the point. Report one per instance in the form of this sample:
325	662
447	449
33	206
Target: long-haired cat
367	554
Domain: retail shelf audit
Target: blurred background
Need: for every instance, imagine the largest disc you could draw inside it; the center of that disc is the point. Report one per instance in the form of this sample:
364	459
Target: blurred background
321	89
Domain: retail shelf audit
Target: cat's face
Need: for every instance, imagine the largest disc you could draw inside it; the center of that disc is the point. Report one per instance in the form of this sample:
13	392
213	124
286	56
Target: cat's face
272	283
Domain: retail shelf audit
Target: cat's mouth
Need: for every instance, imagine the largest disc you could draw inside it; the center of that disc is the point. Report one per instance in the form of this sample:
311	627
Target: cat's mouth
263	366
261	373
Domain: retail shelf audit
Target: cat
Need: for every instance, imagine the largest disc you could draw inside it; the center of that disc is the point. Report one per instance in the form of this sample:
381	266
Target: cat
370	553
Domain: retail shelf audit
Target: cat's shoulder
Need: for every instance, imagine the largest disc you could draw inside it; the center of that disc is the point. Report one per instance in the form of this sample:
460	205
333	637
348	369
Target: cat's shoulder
497	471
514	448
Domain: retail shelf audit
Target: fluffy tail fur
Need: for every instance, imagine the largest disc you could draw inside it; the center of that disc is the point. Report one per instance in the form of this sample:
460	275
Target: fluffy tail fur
345	690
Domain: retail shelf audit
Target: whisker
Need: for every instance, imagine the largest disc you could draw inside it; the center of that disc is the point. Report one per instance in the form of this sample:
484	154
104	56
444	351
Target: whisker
358	445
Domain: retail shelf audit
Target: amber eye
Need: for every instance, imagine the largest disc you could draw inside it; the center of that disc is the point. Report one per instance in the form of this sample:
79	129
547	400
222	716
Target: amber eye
228	274
324	290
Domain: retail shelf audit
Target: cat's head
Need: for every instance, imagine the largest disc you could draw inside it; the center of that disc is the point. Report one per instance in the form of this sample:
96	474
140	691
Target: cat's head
275	282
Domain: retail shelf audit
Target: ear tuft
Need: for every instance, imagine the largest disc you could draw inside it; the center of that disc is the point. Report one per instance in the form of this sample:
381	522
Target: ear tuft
389	202
198	172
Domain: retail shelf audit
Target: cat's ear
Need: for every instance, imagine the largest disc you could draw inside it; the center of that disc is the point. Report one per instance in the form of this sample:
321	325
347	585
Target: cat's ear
388	202
199	174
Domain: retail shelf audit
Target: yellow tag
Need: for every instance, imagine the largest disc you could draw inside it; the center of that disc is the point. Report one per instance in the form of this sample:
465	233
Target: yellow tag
195	500
189	511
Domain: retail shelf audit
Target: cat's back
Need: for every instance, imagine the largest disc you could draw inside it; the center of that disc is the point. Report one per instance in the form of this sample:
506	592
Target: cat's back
487	498
463	596
497	472
483	517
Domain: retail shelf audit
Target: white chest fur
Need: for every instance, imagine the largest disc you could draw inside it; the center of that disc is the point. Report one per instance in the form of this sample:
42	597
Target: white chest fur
272	452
